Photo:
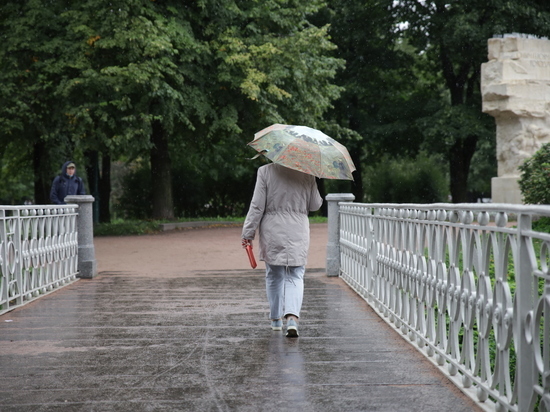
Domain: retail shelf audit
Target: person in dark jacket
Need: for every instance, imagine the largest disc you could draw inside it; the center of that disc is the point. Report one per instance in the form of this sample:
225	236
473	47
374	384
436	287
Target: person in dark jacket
67	183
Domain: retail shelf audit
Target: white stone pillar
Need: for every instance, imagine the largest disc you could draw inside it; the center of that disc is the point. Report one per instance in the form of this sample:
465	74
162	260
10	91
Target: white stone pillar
515	86
333	245
87	265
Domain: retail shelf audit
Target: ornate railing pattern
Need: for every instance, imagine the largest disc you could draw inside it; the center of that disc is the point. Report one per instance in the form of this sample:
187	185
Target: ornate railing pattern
471	290
38	251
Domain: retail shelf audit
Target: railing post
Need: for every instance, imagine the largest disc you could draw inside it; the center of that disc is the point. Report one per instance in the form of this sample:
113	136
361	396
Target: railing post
333	245
87	266
525	300
18	261
4	275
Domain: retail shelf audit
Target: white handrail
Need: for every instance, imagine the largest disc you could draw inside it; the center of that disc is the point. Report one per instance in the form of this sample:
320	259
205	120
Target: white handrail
38	251
470	289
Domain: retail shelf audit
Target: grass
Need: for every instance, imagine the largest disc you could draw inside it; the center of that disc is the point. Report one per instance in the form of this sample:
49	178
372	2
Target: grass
318	219
121	227
126	227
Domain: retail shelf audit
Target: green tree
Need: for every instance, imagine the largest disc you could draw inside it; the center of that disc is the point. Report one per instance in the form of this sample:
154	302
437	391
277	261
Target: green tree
162	77
265	64
405	180
384	90
129	94
33	60
15	176
452	35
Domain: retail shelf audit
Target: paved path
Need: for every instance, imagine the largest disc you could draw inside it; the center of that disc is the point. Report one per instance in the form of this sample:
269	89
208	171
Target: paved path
177	322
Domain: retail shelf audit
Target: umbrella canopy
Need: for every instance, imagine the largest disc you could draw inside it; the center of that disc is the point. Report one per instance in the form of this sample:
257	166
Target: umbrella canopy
304	149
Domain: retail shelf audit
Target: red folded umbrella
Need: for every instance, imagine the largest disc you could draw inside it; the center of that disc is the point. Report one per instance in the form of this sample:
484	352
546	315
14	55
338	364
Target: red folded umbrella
250	254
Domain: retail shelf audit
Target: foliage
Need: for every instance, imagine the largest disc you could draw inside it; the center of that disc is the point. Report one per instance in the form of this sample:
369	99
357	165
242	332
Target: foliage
126	228
534	181
129	227
15	178
407	181
542	224
35	56
482	168
198	191
122	227
27	96
380	98
317	219
409	85
134	200
442	32
87	76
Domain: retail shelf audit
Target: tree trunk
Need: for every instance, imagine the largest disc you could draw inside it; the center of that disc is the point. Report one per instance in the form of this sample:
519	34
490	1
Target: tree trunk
358	189
92	172
42	184
323	193
161	176
462	151
105	190
460	157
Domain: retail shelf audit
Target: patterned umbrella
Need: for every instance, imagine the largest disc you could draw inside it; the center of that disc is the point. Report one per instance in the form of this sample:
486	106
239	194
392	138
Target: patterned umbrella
304	149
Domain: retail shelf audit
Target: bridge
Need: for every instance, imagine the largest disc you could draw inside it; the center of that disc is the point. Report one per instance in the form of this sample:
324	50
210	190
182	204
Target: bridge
177	321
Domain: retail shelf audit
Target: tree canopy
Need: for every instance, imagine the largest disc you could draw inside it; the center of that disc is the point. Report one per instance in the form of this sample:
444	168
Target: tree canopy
452	35
161	76
174	90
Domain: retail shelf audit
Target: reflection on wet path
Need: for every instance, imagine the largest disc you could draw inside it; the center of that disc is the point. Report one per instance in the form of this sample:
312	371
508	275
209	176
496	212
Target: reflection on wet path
285	365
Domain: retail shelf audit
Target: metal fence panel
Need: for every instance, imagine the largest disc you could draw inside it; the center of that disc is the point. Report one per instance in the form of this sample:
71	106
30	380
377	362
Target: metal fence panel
469	289
38	251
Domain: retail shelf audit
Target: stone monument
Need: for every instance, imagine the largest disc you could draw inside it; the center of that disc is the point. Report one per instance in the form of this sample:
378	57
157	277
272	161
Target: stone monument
515	86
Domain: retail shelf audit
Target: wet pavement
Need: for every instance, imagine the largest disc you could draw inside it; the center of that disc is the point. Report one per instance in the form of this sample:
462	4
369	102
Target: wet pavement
201	341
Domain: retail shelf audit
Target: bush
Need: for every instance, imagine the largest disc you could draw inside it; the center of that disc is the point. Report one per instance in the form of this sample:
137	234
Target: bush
420	180
534	181
542	224
224	190
121	227
134	200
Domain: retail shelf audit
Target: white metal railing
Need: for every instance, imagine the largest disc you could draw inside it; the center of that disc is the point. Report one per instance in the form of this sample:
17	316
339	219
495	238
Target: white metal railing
470	289
38	251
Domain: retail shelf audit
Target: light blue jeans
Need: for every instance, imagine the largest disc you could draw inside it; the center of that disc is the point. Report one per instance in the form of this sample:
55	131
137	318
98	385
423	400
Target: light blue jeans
285	289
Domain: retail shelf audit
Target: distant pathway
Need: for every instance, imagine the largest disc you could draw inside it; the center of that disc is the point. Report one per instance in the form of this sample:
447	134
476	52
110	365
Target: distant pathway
171	253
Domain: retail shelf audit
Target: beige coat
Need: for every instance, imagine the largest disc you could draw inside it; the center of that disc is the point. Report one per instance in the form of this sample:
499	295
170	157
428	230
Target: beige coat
279	209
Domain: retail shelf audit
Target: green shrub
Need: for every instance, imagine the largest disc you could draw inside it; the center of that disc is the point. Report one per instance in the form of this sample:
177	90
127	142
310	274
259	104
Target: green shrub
121	227
420	180
135	201
208	191
534	181
542	224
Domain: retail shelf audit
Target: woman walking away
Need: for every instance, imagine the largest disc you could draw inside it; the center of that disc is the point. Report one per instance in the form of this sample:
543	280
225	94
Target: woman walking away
279	211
